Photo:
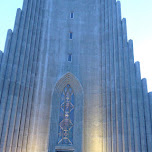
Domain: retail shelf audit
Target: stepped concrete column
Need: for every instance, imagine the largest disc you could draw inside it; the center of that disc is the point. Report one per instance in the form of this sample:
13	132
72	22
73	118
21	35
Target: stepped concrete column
141	107
147	115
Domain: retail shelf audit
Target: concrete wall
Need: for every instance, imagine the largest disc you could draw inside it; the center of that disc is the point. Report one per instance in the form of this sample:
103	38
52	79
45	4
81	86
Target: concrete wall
85	48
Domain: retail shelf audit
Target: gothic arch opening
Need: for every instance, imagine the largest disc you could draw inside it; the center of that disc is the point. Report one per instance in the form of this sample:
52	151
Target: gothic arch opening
66	121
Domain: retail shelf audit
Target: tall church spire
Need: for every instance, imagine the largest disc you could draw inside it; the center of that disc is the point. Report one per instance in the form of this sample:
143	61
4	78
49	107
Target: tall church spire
84	45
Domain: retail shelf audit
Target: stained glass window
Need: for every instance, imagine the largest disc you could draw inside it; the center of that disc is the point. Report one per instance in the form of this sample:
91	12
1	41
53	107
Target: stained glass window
66	118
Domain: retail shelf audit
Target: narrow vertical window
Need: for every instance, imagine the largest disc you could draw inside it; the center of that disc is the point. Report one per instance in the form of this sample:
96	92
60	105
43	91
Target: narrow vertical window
71	15
66	117
71	35
69	57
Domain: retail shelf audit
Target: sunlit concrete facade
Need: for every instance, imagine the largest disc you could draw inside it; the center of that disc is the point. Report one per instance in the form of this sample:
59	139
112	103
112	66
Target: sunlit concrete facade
82	43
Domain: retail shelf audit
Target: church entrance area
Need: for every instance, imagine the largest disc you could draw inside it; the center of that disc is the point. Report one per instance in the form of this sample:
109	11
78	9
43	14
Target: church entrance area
64	151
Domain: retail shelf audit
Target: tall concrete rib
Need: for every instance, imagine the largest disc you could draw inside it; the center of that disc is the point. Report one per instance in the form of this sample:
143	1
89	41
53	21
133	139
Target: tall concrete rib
1	56
127	88
112	79
141	108
82	44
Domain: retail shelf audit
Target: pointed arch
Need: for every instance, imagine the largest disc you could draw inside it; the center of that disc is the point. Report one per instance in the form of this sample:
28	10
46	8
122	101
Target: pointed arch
71	79
67	79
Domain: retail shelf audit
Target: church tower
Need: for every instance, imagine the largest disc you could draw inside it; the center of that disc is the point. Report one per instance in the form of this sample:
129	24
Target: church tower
68	81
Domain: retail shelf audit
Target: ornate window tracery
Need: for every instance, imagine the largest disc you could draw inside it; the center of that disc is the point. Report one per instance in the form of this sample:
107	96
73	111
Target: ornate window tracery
66	117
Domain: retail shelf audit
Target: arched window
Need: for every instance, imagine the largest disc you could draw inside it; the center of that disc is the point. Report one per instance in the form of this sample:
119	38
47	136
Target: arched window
66	118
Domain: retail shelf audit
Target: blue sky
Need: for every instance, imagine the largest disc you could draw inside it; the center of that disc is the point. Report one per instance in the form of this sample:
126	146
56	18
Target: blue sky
139	26
7	17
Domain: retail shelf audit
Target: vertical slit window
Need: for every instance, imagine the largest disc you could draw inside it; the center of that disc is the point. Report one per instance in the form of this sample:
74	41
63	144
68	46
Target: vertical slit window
72	15
71	35
69	57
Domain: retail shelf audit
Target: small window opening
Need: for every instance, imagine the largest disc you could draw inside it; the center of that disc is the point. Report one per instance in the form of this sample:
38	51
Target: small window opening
71	35
69	57
72	15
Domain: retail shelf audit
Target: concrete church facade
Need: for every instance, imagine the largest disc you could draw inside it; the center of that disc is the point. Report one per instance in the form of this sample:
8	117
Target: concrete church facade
68	81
